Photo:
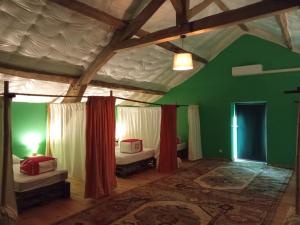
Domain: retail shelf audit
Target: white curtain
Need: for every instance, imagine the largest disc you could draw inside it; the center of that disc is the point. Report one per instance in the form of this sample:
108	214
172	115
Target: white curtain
141	123
195	149
67	138
8	209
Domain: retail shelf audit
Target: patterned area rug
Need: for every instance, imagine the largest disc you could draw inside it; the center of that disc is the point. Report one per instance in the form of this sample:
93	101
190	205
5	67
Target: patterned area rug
228	177
209	193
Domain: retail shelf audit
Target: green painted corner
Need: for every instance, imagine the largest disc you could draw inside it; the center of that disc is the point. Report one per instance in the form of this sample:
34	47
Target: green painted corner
215	90
28	118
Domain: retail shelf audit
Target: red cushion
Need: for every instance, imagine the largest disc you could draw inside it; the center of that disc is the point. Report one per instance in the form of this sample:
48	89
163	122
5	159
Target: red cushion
30	166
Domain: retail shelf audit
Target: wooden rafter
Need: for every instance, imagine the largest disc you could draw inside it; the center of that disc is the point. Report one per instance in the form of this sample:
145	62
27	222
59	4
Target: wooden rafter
225	8
210	23
180	7
120	35
283	23
69	79
91	12
115	23
198	8
132	28
174	48
169	46
108	51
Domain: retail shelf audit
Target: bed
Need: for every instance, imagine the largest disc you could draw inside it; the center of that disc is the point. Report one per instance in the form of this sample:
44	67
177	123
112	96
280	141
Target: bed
34	190
127	164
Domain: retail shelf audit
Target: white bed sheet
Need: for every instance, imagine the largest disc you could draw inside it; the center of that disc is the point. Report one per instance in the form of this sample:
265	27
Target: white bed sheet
127	158
24	182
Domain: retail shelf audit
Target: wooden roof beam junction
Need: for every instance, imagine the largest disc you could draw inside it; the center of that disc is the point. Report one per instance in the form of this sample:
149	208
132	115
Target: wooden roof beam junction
225	8
174	48
210	23
283	24
120	35
116	23
180	7
133	26
78	88
91	12
69	79
198	8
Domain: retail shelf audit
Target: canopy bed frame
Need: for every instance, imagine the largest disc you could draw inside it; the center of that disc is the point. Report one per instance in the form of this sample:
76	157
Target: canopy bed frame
42	195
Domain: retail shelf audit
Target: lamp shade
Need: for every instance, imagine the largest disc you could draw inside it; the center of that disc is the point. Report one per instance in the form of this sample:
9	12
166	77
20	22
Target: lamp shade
183	61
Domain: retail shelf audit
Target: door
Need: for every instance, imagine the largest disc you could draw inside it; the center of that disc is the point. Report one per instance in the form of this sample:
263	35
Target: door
251	131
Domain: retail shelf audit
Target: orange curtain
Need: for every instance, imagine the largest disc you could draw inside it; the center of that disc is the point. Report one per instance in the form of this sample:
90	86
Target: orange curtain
168	136
100	147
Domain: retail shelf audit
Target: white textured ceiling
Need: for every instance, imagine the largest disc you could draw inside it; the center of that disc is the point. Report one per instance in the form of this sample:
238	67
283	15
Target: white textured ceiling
40	35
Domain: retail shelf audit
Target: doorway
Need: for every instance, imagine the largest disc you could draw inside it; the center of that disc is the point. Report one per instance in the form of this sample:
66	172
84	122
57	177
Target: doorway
249	131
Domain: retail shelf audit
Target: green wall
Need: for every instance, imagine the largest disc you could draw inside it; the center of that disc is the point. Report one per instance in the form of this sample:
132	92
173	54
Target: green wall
28	119
215	90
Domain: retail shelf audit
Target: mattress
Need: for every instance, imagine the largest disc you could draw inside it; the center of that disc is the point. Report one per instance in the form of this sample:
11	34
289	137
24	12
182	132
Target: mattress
24	182
181	146
125	158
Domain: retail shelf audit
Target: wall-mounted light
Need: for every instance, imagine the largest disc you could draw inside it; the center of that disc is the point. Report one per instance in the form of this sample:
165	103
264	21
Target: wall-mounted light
32	141
182	61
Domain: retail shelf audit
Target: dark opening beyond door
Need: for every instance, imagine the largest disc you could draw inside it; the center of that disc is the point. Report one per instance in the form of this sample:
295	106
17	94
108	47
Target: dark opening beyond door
251	131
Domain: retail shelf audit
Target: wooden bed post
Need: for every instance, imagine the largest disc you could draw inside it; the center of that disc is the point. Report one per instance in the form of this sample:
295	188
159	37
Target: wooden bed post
5	139
298	164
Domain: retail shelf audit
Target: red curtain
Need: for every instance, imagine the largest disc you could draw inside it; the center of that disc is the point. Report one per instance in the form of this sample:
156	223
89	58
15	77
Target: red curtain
100	147
168	136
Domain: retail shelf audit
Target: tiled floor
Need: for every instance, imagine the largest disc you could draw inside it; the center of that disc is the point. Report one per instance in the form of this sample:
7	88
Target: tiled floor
57	210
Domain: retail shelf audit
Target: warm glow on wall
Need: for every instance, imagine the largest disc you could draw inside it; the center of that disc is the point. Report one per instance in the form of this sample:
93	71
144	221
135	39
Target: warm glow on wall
32	141
183	61
120	131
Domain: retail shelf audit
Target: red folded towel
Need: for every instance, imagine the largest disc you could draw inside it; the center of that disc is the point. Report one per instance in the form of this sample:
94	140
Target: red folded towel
37	165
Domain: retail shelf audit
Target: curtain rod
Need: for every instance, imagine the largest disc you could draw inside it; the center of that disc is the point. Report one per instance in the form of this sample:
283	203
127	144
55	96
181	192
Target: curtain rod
85	96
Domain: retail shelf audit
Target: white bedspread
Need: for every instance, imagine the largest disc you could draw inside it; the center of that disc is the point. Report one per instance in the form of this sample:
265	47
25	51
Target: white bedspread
125	158
24	182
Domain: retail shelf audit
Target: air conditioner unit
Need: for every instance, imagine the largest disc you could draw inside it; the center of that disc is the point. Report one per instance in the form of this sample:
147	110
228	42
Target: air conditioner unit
247	70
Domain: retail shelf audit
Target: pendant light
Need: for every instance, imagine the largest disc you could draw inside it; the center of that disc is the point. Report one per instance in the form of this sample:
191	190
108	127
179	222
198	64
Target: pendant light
182	61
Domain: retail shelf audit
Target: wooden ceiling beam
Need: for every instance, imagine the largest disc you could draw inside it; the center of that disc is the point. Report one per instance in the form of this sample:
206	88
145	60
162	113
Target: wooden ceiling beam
70	79
124	87
171	47
108	51
120	35
283	24
174	48
35	75
91	12
180	7
225	8
198	8
132	27
115	23
210	23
